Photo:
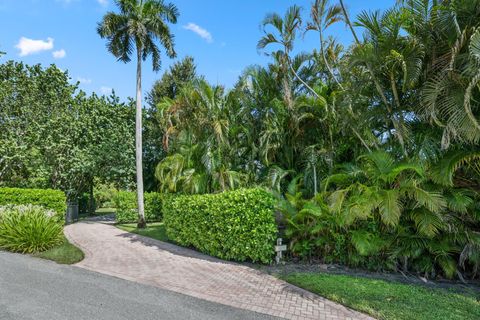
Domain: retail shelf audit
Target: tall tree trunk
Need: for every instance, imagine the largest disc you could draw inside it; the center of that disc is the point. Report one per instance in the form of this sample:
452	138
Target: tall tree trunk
324	56
138	142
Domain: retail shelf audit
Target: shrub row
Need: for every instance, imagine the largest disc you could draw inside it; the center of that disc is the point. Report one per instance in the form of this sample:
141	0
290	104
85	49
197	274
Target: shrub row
126	206
235	225
47	198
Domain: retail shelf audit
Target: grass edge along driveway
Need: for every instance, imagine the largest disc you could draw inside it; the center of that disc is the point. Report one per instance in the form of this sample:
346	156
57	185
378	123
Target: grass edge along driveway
379	298
389	300
64	253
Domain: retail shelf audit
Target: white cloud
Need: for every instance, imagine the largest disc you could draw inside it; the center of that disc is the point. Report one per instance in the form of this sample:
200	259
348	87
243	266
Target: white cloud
59	54
84	80
203	33
29	46
103	3
106	90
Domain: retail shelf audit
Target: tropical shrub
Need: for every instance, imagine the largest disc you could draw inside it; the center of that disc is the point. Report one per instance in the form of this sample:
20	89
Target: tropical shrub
382	214
126	207
47	198
29	229
233	225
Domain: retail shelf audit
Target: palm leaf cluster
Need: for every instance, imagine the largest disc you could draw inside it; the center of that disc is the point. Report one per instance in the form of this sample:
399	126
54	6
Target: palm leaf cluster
371	149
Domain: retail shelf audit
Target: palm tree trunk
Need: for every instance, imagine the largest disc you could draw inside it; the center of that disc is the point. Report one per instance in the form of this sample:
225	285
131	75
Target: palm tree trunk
138	142
348	22
322	49
304	83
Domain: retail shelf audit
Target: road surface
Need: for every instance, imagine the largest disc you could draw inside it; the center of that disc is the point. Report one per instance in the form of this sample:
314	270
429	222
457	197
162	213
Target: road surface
32	288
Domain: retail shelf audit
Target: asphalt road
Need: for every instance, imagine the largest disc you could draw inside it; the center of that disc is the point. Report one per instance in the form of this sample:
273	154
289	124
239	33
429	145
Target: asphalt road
32	288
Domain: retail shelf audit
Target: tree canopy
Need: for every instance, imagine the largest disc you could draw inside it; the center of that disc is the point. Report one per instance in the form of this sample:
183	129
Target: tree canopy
55	136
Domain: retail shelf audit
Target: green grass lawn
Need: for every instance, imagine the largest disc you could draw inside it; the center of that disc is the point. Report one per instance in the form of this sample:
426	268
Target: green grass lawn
389	300
103	211
65	253
155	230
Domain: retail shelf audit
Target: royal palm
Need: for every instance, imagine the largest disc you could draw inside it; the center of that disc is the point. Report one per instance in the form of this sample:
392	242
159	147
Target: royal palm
138	29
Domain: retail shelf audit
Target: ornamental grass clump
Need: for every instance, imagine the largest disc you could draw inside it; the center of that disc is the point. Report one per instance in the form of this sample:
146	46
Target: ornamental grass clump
29	229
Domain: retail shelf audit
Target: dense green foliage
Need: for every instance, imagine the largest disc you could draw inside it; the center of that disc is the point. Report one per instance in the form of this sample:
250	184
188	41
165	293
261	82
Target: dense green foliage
380	214
372	149
28	229
63	253
390	300
235	225
49	199
103	195
169	86
126	206
54	136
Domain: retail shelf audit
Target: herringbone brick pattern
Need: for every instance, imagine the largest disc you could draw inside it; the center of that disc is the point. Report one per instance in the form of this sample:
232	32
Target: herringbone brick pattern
114	252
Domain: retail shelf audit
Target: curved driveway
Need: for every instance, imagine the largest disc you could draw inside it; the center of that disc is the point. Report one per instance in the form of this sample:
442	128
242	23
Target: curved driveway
112	251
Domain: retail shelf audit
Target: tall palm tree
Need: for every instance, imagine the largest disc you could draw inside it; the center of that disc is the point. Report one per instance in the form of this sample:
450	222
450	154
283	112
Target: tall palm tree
286	31
138	26
324	16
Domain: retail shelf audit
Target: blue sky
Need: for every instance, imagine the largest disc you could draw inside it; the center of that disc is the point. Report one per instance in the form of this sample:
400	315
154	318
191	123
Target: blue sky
220	34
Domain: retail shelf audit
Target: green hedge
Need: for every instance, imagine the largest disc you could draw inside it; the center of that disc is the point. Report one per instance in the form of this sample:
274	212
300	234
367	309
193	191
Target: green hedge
47	198
234	225
126	207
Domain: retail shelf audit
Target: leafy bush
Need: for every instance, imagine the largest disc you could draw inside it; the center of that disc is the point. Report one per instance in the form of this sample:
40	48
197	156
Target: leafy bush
104	195
126	207
234	225
29	229
382	214
47	198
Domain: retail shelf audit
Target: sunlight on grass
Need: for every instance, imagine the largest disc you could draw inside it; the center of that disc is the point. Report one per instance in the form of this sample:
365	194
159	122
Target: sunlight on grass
102	211
390	300
155	230
65	253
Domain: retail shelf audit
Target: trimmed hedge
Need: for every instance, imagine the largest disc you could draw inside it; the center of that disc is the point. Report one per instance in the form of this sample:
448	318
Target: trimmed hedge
126	207
234	225
47	198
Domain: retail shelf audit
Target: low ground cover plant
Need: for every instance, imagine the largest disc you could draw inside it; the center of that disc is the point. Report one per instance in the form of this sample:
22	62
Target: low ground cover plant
29	229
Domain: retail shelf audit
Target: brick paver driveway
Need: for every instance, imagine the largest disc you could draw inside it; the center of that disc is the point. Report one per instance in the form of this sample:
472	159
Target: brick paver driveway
112	251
